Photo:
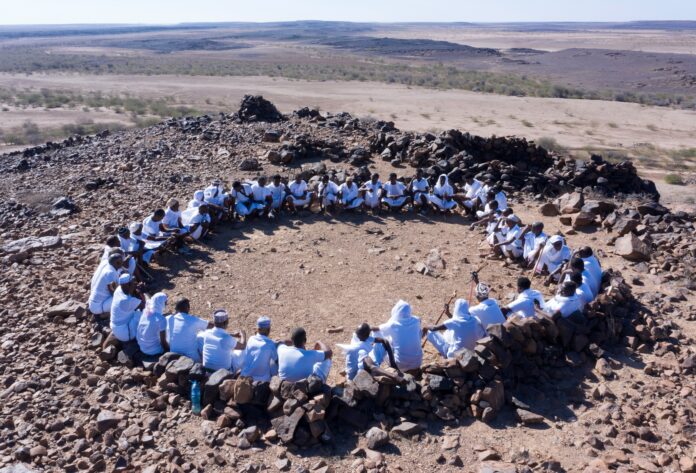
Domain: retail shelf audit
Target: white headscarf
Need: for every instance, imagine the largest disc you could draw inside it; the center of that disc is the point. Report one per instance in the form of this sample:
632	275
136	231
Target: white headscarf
443	189
556	256
156	304
555	239
198	199
461	310
401	311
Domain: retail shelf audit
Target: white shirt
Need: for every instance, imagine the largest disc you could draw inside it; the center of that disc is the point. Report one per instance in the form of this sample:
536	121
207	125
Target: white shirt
242	197
405	339
330	188
213	193
593	267
99	290
148	334
129	245
394	190
513	232
358	350
298	189
567	305
502	200
260	355
472	190
463	334
216	347
348	192
488	313
372	187
420	185
150	227
533	242
523	305
122	309
259	193
171	218
295	364
584	294
277	192
182	330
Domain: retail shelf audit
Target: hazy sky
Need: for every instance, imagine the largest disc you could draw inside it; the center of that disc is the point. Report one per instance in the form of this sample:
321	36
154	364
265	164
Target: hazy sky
177	11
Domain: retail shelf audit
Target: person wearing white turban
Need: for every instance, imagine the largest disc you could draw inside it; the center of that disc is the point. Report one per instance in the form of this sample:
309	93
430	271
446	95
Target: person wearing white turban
152	328
260	358
554	255
372	192
125	310
487	311
216	347
350	195
442	197
403	331
462	330
198	199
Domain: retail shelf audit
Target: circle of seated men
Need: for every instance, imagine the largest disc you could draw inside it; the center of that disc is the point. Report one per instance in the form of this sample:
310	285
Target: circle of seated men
117	291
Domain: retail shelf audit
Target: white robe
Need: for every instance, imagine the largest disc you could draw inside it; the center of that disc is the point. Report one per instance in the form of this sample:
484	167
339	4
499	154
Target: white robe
442	195
403	331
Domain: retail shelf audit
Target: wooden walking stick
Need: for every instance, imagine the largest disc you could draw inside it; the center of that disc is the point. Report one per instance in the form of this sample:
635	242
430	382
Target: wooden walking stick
454	296
538	259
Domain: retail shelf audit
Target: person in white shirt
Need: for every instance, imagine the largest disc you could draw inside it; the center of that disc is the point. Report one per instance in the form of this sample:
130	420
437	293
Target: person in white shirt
154	232
565	303
472	189
394	193
527	300
126	309
488	217
500	197
197	221
198	199
534	240
328	195
462	330
104	283
240	196
278	193
182	330
349	194
260	357
296	363
372	193
403	332
591	265
299	197
577	265
260	198
151	333
366	352
216	347
583	291
511	245
442	197
144	247
487	311
554	256
419	189
218	201
172	217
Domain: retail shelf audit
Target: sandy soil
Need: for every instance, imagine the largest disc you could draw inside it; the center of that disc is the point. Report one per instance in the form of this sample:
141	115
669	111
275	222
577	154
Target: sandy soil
56	117
640	40
573	123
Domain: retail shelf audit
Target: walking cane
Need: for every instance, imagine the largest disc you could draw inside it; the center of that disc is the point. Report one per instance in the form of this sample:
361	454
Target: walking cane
538	259
454	296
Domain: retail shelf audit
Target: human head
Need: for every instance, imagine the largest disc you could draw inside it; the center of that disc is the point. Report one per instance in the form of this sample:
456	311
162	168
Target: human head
263	325
156	304
276	179
113	242
199	195
490	195
537	228
507	212
585	252
349	180
392	178
469	178
523	283
557	242
173	204
442	180
126	282
577	264
493	204
325	178
261	180
158	215
220	318
236	185
203	209
298	337
123	232
568	288
374	178
183	305
512	220
116	260
419	173
576	278
461	309
363	331
482	291
298	178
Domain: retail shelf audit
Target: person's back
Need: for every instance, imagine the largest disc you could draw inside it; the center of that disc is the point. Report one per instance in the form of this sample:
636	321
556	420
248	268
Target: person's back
296	364
260	353
100	297
488	313
463	333
182	330
152	323
523	305
403	331
215	346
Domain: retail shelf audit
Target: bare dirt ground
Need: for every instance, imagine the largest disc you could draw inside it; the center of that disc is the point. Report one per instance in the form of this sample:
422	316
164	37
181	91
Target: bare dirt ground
573	123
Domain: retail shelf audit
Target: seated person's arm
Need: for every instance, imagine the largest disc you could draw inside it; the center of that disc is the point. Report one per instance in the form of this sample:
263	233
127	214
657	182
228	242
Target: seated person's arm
390	352
241	343
322	347
163	340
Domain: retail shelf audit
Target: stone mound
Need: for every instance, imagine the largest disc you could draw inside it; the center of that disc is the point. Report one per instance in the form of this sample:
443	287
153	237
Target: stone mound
254	108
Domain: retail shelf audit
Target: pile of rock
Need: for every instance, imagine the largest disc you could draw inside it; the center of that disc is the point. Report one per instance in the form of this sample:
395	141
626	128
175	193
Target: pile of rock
255	108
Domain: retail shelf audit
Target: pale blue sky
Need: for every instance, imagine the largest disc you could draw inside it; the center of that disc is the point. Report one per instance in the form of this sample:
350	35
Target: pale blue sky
177	11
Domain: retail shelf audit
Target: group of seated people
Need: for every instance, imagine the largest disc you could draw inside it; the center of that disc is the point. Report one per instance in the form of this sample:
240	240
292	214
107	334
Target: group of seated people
117	291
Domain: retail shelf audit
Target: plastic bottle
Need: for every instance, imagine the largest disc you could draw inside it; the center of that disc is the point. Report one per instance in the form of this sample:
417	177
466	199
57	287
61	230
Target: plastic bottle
196	397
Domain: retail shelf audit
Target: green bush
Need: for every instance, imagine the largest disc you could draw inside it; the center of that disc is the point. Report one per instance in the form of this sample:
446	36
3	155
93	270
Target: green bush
674	179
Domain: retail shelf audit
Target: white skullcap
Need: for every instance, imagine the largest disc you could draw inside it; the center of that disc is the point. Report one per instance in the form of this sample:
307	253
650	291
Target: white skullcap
514	218
125	278
220	316
263	322
482	290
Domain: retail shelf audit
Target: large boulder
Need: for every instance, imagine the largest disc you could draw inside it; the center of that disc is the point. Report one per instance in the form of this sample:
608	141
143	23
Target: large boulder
570	203
211	390
631	248
30	244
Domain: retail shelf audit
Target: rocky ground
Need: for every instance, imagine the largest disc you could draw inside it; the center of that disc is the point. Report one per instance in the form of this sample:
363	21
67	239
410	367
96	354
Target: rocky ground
625	404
